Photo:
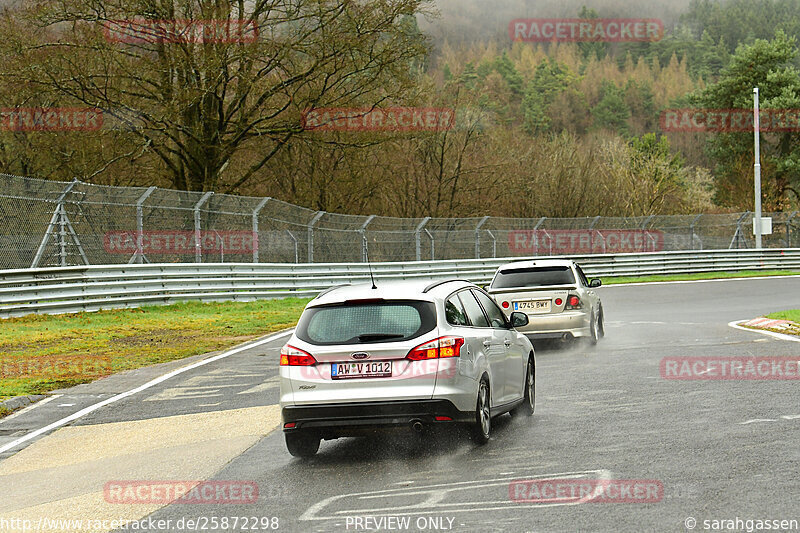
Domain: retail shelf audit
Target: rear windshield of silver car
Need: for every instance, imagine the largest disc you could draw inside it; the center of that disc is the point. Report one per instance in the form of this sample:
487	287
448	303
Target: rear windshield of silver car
534	277
366	322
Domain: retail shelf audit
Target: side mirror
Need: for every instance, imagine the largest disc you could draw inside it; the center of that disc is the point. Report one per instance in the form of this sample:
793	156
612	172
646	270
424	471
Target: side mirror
519	320
595	283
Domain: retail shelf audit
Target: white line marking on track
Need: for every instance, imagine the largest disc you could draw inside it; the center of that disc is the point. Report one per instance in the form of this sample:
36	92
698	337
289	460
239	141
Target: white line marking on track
437	493
755	420
267	384
151	383
31	407
781	336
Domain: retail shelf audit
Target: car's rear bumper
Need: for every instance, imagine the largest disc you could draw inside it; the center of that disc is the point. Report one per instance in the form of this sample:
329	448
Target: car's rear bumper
574	324
350	418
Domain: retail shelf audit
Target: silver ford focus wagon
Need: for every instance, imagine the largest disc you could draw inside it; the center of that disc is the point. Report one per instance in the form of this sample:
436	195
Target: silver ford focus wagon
409	354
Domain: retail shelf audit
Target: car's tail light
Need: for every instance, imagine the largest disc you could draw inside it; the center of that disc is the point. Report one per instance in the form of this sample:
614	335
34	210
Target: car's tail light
559	301
442	418
291	356
437	348
289	425
505	305
573	302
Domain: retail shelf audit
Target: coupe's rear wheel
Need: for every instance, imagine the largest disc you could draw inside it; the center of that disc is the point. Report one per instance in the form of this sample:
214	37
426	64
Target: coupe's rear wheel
528	404
482	426
601	326
594	330
302	444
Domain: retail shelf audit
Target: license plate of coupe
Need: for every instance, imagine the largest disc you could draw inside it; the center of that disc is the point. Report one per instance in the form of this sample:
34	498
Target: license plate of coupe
374	369
532	306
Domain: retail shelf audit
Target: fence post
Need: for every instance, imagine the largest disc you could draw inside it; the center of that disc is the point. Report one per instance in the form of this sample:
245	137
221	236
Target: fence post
296	246
645	232
57	218
536	234
198	247
591	234
691	232
433	244
256	211
418	237
478	237
494	243
311	224
789	229
138	256
363	232
739	234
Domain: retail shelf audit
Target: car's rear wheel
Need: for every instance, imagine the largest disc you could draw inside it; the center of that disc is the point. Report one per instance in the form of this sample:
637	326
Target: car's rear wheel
301	444
528	404
594	330
482	426
602	325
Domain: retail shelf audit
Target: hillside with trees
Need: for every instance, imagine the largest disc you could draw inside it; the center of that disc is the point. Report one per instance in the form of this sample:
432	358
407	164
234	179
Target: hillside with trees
548	129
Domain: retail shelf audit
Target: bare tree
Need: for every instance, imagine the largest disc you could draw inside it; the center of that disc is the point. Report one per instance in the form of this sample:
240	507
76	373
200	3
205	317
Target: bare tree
202	84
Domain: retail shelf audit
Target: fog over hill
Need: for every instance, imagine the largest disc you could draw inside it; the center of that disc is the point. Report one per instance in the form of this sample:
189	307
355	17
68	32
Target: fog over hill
469	20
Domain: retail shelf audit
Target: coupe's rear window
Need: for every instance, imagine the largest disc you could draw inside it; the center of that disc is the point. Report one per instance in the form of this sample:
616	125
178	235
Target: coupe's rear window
366	322
534	277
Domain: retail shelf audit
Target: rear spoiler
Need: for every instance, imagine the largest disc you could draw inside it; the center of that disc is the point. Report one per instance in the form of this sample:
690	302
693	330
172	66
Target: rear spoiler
505	290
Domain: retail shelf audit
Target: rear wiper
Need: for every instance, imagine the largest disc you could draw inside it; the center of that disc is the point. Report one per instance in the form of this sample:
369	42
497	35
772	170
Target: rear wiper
379	336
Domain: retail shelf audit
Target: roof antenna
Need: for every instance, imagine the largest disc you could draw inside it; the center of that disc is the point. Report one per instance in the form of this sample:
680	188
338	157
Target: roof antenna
369	264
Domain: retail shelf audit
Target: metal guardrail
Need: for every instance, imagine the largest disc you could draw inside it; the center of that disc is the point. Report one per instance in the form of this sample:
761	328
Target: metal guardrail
92	288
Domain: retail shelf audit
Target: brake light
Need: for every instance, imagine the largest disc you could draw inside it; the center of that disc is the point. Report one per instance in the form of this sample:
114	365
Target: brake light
437	348
505	305
559	301
442	418
291	356
289	425
573	302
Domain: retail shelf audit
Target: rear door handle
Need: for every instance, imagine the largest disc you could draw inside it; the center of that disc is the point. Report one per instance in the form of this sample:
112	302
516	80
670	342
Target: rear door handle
486	344
507	343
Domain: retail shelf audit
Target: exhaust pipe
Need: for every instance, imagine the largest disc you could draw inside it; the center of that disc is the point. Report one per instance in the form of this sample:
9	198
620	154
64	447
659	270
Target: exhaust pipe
417	426
566	337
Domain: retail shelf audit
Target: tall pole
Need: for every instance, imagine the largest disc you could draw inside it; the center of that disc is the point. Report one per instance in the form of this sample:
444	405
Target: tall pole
757	133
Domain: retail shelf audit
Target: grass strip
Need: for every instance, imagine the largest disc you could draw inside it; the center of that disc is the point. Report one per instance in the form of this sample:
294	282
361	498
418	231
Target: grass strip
698	276
792	314
41	353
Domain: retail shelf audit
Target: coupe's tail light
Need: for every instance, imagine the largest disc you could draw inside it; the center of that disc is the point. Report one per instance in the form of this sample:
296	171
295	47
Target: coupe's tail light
437	348
573	302
291	356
